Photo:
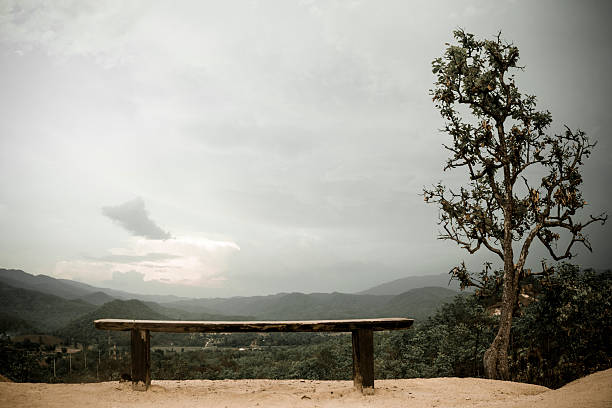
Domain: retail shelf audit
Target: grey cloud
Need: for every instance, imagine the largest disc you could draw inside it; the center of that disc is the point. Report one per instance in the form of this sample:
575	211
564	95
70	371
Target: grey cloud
302	131
284	141
134	281
150	257
133	216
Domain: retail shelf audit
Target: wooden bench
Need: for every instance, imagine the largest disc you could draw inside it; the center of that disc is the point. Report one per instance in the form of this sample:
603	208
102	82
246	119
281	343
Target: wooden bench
361	329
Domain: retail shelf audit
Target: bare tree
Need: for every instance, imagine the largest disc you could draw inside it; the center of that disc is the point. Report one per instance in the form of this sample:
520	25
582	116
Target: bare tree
523	184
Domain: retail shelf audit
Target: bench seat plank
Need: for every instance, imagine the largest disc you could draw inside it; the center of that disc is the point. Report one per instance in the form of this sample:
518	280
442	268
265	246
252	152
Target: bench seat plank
361	329
178	326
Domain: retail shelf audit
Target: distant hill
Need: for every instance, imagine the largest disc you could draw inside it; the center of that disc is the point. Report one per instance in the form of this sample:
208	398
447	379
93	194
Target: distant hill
97	298
282	305
81	329
25	309
320	306
44	311
416	303
70	289
42	283
412	282
288	305
234	305
43	339
197	314
12	325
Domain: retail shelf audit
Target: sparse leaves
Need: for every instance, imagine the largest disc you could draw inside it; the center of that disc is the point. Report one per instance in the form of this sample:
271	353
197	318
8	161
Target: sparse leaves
503	137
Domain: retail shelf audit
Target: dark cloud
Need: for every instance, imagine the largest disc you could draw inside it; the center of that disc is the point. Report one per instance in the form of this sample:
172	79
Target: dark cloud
133	216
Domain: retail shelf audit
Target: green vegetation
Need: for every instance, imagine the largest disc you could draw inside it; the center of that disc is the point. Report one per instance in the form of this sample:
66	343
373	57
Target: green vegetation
566	334
560	332
418	303
14	325
450	343
41	310
326	357
82	330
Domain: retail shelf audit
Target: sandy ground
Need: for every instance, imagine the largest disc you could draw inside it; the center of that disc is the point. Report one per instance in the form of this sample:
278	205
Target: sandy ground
591	391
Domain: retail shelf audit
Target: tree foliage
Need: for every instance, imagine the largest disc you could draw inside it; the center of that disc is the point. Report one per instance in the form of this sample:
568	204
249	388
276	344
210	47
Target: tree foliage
565	334
450	343
500	138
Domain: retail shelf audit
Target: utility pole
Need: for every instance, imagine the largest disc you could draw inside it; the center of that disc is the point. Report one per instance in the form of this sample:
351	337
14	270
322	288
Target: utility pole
70	361
53	366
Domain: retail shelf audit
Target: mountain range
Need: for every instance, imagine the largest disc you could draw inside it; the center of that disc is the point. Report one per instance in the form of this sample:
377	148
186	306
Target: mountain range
46	304
402	285
41	310
70	289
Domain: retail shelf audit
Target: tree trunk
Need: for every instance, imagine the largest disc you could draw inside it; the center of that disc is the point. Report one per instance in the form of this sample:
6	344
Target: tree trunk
496	357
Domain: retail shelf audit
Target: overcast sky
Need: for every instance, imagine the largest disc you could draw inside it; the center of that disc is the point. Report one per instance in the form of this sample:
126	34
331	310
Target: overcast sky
252	147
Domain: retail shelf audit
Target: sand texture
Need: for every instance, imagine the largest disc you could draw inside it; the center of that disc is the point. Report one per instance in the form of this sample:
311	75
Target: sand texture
592	391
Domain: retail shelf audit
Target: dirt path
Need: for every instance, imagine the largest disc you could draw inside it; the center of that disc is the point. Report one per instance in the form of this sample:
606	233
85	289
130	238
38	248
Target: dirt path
592	391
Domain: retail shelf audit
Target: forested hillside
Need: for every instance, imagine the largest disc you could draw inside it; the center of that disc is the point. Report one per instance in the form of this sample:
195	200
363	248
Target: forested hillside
43	311
82	329
46	312
403	285
417	303
70	289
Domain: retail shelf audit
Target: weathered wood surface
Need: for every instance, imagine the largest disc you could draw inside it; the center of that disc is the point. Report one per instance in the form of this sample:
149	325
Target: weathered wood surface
141	359
361	329
363	359
177	326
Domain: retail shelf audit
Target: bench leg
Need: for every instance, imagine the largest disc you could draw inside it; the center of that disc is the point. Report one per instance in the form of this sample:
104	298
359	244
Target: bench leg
363	360
141	360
